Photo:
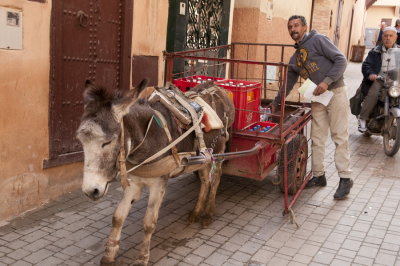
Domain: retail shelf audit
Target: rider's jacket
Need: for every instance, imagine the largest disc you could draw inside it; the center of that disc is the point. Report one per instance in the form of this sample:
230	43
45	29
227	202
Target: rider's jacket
372	65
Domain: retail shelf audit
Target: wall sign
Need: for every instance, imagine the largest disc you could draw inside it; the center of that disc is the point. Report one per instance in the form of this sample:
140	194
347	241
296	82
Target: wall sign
10	29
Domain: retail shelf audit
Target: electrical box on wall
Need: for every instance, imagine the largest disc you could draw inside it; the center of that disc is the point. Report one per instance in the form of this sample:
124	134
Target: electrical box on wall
10	28
182	8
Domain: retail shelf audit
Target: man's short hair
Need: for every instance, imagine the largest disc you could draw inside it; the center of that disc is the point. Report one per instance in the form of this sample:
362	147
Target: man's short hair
303	19
397	22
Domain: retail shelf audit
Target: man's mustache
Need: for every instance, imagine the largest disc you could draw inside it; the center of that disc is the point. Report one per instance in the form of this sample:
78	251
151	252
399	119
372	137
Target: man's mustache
294	33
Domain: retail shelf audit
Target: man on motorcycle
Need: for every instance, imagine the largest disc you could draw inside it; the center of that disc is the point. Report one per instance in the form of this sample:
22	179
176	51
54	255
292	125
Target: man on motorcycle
374	65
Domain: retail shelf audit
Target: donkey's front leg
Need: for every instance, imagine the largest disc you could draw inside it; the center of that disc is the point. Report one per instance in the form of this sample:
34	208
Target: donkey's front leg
157	188
131	194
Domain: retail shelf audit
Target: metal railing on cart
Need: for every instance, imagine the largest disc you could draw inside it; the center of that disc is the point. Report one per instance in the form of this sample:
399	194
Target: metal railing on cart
253	74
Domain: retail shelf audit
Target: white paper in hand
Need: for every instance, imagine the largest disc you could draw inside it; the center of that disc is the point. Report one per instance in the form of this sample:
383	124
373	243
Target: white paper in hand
307	90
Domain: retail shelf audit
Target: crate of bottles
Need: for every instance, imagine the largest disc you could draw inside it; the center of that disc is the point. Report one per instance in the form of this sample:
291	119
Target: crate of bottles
261	127
246	98
186	83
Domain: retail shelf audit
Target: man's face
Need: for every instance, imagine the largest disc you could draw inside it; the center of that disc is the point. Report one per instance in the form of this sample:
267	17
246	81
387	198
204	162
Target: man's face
296	29
389	38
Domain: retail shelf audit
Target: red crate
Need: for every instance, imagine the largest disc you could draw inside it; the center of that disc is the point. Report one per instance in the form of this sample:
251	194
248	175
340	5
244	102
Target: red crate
186	83
246	98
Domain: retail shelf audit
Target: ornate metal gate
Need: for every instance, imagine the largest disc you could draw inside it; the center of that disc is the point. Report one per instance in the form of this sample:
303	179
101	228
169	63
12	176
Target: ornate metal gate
204	24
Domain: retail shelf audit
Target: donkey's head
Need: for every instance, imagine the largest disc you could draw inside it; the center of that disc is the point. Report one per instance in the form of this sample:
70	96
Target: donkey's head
100	131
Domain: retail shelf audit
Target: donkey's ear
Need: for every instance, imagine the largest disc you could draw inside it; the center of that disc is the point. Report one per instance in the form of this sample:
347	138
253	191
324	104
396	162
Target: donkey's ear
92	94
121	107
141	91
142	85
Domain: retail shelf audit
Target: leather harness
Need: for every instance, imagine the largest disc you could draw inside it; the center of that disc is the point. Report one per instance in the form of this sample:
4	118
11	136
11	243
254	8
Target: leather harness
159	168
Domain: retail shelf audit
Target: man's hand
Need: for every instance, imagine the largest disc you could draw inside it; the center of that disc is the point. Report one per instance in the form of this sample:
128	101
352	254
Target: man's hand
273	107
372	77
321	88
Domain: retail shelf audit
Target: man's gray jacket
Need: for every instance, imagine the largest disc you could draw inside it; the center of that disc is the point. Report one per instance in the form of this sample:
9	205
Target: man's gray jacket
318	59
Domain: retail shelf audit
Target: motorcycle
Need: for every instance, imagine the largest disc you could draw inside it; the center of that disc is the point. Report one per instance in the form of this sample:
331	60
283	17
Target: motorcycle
384	120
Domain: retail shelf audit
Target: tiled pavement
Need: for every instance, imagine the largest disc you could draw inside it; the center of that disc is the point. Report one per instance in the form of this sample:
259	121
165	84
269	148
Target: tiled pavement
248	228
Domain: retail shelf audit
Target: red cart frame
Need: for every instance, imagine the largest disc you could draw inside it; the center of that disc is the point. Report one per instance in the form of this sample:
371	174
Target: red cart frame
252	62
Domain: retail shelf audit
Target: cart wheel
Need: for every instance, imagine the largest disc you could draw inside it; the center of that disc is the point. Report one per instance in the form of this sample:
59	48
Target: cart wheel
297	154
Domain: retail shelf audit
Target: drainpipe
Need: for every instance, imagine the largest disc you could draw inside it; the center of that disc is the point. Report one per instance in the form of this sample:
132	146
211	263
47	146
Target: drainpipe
350	33
312	14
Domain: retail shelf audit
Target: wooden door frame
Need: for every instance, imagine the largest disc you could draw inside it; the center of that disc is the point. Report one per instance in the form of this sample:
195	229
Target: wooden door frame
125	70
338	22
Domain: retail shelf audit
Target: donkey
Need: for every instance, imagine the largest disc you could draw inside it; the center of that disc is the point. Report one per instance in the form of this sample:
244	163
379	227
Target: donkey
112	121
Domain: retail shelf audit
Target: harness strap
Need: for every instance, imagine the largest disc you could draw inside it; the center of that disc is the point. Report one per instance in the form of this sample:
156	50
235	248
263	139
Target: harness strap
170	105
198	130
122	155
165	149
166	130
145	135
122	159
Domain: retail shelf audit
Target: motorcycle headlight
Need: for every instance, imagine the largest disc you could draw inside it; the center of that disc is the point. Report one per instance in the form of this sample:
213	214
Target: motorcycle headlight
394	91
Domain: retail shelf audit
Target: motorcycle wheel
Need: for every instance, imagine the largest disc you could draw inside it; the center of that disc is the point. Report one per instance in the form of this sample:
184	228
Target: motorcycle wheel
391	135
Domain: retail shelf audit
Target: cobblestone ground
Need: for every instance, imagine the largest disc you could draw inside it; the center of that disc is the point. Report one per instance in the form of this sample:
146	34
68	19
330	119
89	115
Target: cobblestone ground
248	228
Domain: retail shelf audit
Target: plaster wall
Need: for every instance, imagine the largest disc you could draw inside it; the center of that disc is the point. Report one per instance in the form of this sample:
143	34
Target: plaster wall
387	3
324	17
345	27
325	21
264	22
357	36
150	31
376	13
284	10
24	101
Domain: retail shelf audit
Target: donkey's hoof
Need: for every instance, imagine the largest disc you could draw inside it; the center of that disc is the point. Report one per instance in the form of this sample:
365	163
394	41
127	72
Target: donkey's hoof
106	261
139	262
206	220
193	217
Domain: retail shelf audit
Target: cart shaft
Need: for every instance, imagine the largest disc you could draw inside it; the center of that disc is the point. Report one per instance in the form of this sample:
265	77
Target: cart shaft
203	159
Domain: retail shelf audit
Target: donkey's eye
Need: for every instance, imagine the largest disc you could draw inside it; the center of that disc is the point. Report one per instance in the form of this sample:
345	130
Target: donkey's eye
105	144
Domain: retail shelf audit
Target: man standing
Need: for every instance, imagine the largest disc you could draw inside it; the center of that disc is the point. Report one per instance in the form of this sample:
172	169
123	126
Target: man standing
379	39
375	64
318	59
397	26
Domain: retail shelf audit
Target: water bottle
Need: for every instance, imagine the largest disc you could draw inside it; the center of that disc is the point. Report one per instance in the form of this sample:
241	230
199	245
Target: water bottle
255	128
264	113
266	129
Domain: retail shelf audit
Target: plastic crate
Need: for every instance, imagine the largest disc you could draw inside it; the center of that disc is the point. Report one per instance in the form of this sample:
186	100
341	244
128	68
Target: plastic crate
246	98
186	83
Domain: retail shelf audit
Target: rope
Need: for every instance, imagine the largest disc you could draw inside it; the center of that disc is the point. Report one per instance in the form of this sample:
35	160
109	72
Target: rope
292	218
122	159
